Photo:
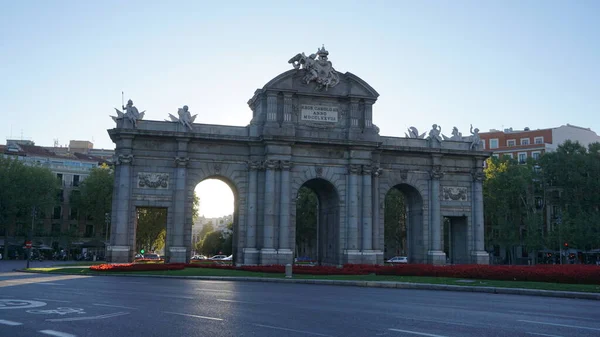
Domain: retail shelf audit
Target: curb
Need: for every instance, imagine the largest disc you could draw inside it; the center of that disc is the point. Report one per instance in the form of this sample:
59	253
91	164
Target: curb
370	284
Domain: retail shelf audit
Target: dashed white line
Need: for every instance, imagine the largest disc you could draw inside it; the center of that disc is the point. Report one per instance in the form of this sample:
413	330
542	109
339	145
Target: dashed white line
417	333
11	323
234	301
114	306
50	284
56	333
292	330
214	290
542	334
564	325
87	318
47	300
195	316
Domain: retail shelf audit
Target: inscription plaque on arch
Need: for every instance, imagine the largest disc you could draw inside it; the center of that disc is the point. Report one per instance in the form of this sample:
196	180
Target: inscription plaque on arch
319	113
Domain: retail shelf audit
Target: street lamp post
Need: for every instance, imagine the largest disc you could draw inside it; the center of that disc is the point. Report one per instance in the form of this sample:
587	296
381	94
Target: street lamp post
28	243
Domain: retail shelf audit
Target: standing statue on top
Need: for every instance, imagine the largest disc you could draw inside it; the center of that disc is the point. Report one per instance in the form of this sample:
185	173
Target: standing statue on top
130	113
185	117
435	133
474	138
318	70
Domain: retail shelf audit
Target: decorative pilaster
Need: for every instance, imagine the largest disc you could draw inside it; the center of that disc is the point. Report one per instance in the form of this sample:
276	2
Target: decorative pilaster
176	245
287	107
368	115
354	113
269	210
352	234
367	212
120	230
284	202
478	254
271	107
253	167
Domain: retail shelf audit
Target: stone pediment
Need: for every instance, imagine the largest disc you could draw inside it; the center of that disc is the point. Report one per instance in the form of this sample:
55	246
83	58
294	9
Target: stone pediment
349	85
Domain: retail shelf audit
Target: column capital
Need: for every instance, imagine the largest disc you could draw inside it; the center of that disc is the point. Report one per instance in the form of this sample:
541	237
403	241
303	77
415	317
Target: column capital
436	172
124	159
354	169
270	164
181	161
377	171
285	165
478	175
367	169
254	165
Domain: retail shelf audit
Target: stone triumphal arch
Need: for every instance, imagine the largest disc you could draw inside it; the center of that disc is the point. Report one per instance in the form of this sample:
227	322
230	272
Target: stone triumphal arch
311	126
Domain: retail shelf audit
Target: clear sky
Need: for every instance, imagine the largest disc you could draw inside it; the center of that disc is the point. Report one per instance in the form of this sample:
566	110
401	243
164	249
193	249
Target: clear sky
495	64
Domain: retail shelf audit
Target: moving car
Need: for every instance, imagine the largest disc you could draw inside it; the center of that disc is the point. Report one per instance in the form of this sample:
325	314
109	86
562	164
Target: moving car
218	257
199	257
398	259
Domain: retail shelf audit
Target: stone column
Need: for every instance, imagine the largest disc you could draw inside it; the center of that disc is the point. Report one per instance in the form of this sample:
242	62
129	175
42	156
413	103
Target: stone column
268	255
435	253
352	253
478	254
271	107
354	113
284	252
250	252
119	250
368	114
375	210
367	213
177	247
287	107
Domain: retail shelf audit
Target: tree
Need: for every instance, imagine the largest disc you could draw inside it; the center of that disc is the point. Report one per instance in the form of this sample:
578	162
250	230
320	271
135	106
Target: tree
306	221
94	198
395	222
212	243
195	207
151	228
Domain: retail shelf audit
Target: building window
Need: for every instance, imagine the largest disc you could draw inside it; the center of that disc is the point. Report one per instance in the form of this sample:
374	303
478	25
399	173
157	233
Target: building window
89	231
511	142
74	214
60	198
483	143
57	212
536	155
522	157
538	140
507	155
494	143
55	229
76	180
59	176
524	141
495	155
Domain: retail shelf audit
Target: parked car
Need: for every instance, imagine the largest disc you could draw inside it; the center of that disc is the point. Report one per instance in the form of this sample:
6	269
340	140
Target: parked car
229	258
398	259
199	257
218	257
151	257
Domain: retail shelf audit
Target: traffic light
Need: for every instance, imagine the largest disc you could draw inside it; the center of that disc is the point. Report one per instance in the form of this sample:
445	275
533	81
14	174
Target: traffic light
566	244
142	251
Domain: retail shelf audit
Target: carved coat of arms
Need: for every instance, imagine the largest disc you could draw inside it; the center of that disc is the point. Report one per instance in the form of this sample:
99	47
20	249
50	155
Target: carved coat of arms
319	70
153	180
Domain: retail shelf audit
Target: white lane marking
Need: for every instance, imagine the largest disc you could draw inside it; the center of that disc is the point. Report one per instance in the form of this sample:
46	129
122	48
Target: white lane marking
441	322
114	306
56	333
215	290
11	323
292	330
50	284
417	333
564	325
552	315
87	318
195	316
234	301
542	334
48	300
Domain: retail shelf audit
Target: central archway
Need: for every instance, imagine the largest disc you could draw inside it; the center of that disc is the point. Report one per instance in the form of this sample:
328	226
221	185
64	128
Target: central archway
321	238
403	220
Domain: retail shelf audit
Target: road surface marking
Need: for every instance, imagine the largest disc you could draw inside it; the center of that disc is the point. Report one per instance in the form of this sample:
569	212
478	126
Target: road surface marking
33	280
56	333
5	322
58	311
234	301
87	318
50	284
553	315
195	316
442	322
417	333
542	334
292	330
20	304
214	290
48	300
565	325
114	306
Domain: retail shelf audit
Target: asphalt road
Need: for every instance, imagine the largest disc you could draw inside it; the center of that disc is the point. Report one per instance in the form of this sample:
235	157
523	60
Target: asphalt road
65	306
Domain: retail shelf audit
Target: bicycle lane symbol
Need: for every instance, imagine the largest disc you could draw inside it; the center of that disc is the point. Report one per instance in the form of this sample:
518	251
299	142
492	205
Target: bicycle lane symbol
58	311
19	304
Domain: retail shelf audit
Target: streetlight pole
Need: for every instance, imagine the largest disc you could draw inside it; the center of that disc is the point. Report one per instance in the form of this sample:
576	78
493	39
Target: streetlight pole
28	243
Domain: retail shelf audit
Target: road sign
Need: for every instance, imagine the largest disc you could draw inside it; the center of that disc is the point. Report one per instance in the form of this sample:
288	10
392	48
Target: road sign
27	244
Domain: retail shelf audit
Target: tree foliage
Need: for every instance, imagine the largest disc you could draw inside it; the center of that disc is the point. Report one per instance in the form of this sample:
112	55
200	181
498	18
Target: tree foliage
306	222
395	223
151	228
94	198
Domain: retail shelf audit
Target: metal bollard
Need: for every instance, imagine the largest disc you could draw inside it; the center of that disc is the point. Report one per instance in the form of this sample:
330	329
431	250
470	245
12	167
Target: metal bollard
288	270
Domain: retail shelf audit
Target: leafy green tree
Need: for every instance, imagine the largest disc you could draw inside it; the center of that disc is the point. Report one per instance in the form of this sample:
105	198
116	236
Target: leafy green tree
94	198
212	243
195	207
395	222
151	228
306	222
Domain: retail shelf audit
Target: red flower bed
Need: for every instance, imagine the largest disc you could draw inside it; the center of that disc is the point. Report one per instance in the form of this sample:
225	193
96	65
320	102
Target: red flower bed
582	274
